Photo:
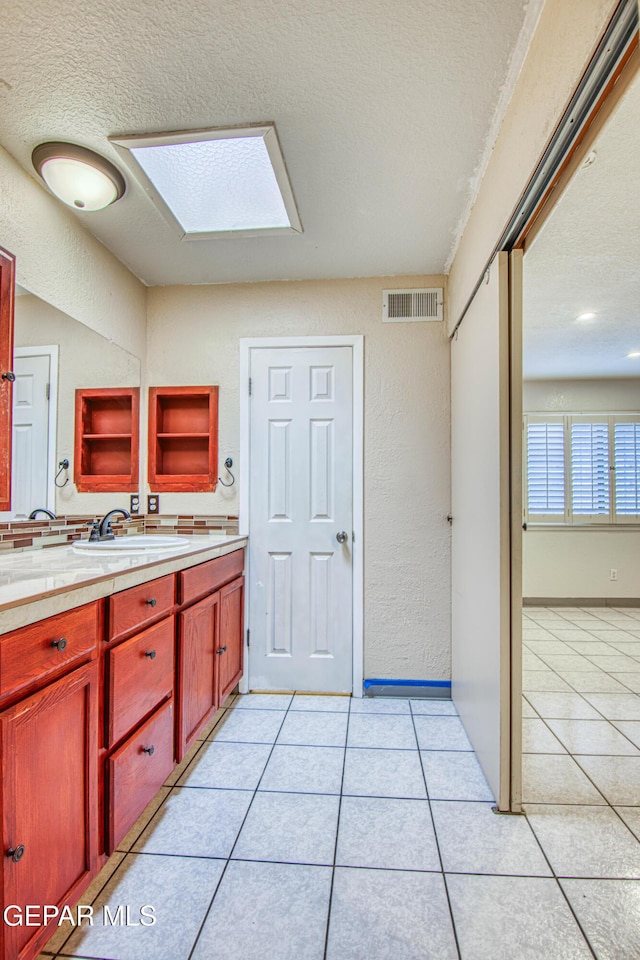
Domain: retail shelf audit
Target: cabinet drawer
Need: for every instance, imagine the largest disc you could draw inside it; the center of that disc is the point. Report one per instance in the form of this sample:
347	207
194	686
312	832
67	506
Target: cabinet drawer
197	582
45	648
140	605
136	771
140	677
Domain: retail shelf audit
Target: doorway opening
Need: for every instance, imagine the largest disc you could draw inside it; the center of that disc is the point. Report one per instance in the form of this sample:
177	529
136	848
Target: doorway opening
581	491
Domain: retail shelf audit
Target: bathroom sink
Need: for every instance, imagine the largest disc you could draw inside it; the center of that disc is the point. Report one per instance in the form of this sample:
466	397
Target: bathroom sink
139	543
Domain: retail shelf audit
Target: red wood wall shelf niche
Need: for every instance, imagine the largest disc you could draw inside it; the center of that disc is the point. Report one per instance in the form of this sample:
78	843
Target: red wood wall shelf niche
107	440
183	439
7	294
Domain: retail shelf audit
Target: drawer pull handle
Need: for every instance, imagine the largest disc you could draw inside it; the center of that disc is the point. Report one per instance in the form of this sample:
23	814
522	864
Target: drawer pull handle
149	750
151	654
221	651
59	644
16	853
151	602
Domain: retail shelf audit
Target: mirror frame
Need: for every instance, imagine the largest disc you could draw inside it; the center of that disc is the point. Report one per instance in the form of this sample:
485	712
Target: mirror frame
7	302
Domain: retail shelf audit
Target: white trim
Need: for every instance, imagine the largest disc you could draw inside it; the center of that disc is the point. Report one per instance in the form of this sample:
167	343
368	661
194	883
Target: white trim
51	351
356	342
124	145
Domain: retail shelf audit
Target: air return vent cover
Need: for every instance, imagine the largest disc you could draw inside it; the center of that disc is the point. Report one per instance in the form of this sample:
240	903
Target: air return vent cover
402	306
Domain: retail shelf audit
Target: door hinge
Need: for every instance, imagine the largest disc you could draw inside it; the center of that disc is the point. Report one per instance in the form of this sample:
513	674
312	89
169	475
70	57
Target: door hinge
248	638
249	386
48	391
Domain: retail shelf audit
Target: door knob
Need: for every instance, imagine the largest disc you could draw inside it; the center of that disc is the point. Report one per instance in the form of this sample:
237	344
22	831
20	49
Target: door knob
342	537
16	853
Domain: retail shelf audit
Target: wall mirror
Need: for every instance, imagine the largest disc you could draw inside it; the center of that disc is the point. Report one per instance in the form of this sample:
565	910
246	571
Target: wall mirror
54	355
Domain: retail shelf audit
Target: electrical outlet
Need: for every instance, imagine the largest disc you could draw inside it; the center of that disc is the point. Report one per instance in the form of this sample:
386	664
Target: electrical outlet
134	504
613	574
153	503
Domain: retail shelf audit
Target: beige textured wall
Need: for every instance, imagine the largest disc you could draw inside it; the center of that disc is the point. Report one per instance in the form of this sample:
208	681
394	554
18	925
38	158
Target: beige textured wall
62	263
85	359
193	338
581	396
563	43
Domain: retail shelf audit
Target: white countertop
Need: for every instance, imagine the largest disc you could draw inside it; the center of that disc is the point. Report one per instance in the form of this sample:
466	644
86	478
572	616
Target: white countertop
35	584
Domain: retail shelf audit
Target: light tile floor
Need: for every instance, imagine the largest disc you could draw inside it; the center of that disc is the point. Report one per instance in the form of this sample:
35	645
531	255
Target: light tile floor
305	828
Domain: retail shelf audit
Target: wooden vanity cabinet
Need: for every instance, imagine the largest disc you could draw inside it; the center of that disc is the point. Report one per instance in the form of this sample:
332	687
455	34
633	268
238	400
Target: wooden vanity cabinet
95	703
139	661
231	645
210	642
49	757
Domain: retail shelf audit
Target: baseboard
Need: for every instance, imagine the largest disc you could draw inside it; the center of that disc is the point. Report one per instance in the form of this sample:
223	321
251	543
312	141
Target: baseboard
581	601
435	689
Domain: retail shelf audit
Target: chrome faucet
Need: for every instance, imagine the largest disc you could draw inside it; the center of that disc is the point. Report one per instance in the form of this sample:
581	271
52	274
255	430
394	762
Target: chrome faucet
104	529
34	513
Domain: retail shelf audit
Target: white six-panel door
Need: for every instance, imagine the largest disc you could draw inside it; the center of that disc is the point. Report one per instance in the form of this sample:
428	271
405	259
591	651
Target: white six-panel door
30	455
301	518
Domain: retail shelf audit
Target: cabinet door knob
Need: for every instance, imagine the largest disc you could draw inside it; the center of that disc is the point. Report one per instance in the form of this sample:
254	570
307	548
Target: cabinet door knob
59	644
16	853
221	651
151	654
9	375
151	602
149	750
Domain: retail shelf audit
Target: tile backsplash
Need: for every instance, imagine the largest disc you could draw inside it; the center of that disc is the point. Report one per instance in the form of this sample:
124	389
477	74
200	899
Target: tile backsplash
30	534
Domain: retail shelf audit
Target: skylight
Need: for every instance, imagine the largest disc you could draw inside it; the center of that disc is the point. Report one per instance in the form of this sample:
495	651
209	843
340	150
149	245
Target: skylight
216	183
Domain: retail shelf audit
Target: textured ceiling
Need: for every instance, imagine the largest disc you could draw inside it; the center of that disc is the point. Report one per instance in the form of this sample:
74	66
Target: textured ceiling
587	259
382	110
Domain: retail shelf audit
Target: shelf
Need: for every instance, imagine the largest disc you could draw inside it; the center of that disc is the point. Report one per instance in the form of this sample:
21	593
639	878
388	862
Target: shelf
183	439
181	436
106	444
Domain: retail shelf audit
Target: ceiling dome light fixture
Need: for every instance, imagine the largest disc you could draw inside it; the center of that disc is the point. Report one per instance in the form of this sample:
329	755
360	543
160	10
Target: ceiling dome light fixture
633	355
584	317
79	177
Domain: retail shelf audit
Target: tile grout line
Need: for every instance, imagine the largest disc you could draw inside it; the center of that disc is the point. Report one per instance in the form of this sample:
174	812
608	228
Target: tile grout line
562	891
573	756
129	850
437	841
335	846
244	819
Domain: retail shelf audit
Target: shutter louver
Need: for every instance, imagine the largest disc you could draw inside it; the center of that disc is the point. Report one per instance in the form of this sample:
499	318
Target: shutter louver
545	468
590	469
626	445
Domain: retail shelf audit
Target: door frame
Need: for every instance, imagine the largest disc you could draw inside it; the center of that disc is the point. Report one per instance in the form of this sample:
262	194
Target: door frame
356	342
51	351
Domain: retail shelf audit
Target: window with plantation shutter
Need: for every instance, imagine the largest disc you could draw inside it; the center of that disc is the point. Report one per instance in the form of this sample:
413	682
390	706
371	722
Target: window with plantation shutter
590	469
545	469
626	459
582	468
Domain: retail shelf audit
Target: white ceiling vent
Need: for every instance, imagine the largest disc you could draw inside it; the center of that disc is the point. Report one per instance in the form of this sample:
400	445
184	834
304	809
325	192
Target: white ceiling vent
402	306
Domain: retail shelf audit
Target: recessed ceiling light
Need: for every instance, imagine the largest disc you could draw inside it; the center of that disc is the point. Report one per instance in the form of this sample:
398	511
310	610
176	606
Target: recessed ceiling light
216	183
79	177
633	355
585	317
